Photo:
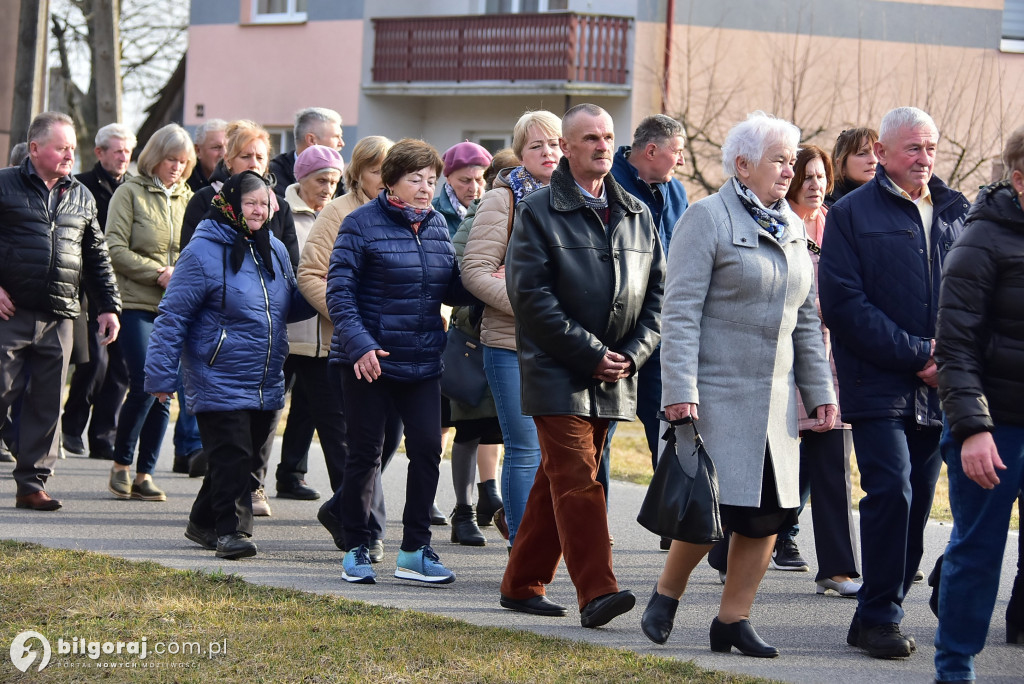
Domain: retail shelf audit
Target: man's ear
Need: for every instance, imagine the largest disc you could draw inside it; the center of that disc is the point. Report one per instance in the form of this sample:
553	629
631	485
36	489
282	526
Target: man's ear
880	152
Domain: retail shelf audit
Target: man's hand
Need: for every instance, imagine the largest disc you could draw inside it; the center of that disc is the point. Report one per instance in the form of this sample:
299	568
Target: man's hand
164	276
367	367
680	411
980	459
108	327
612	367
162	397
6	305
930	373
826	418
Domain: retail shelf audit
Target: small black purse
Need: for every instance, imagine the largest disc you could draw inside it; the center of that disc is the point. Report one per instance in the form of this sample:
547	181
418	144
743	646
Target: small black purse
463	378
682	499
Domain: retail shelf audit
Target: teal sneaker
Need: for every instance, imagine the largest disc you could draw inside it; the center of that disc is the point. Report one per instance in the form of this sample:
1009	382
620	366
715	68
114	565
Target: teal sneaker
356	567
422	565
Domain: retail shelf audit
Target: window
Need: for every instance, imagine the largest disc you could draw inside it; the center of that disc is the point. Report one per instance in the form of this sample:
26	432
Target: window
1013	26
524	6
278	11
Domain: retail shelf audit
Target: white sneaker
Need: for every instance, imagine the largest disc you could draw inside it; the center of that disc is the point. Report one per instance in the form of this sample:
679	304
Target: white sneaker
260	507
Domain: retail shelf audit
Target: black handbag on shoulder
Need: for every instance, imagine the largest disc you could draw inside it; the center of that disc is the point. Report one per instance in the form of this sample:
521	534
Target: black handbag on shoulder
463	378
682	499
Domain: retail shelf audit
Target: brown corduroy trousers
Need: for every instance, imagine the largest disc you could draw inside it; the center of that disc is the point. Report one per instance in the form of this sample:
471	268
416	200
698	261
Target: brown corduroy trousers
565	514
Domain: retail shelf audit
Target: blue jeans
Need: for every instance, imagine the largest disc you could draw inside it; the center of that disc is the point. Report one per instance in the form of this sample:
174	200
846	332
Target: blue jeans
522	450
186	429
974	557
899	465
143	419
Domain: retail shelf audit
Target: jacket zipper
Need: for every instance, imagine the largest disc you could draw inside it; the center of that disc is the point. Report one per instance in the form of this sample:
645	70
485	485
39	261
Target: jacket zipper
270	322
220	343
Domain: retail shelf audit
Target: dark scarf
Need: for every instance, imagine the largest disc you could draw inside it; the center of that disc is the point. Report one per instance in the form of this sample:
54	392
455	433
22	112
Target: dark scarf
769	218
226	208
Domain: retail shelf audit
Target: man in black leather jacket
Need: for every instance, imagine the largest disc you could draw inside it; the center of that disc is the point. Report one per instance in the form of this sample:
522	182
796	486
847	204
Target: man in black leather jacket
585	271
50	242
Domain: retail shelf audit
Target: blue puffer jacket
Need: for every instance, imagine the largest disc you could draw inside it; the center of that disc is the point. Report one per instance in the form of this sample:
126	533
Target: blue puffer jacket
879	296
385	287
666	210
227	328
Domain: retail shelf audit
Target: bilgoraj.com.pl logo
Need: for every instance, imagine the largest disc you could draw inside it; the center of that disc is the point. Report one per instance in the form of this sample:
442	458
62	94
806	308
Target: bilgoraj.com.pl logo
22	653
28	646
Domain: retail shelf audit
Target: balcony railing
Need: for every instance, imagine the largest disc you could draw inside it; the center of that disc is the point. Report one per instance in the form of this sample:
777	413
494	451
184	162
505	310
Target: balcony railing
571	47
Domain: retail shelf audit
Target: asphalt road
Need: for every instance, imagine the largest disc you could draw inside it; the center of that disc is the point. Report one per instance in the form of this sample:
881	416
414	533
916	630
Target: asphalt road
296	552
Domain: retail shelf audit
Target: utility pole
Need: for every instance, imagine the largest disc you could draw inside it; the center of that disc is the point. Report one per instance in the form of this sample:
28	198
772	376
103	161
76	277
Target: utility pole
30	67
106	68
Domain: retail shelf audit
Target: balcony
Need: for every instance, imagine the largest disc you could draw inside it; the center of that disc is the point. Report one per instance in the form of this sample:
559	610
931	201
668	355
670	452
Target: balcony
507	54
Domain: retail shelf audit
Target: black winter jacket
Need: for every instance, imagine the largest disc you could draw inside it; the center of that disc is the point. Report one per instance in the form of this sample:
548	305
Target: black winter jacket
879	294
45	258
980	344
102	186
578	289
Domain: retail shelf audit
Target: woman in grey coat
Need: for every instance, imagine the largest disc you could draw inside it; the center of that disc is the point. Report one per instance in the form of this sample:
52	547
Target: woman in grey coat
740	333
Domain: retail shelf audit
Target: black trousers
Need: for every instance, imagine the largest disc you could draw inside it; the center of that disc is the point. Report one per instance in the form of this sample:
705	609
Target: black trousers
232	441
367	407
825	467
314	406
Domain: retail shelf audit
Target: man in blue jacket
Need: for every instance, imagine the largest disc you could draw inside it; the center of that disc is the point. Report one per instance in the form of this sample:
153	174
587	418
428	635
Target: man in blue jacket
879	285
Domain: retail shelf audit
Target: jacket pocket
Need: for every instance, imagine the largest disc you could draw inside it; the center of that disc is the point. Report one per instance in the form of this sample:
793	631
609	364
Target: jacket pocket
220	343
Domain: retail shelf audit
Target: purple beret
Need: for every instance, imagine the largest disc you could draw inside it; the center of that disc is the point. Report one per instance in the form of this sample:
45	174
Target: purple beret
317	158
465	154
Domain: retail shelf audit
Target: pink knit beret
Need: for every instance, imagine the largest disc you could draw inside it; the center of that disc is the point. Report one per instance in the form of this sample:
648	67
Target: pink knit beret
464	154
317	158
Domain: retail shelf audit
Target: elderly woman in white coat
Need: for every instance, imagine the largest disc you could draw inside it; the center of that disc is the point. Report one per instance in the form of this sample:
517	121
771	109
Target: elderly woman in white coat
740	332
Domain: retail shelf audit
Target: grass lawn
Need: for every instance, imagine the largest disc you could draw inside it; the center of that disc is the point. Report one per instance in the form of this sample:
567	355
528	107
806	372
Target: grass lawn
275	635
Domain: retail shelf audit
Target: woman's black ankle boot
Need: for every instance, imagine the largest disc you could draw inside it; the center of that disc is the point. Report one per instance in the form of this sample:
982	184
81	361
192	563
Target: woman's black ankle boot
659	616
488	502
741	635
464	528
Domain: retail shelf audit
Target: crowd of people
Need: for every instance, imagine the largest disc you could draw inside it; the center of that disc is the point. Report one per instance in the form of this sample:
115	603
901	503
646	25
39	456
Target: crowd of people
592	292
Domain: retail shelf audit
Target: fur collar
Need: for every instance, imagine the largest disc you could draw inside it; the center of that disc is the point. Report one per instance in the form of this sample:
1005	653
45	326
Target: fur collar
566	195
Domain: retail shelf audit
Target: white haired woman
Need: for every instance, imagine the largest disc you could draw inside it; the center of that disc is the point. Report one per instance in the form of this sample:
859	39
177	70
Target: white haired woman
739	325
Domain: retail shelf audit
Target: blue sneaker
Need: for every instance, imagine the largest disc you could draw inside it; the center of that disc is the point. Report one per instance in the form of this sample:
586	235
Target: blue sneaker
422	565
356	567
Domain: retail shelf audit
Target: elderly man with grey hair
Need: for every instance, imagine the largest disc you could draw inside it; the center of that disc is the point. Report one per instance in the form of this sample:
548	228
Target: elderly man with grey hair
18	154
879	286
98	385
313	126
211	142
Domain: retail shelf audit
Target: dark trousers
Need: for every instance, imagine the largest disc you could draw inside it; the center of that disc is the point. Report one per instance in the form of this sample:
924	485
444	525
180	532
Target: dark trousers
899	464
98	386
825	478
42	342
367	406
314	406
565	514
232	441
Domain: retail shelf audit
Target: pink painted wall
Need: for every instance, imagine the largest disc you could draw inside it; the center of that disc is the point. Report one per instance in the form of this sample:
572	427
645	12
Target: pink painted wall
279	69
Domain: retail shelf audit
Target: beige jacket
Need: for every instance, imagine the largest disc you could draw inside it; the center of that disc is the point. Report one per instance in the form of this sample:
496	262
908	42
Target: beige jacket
143	233
316	256
485	254
305	338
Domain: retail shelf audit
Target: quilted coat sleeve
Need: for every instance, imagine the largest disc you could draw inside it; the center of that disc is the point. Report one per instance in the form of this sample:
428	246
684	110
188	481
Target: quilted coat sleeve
343	285
179	308
848	312
485	250
968	285
316	257
120	220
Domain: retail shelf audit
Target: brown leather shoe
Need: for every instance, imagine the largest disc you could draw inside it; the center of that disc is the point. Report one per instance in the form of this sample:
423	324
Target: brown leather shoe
37	501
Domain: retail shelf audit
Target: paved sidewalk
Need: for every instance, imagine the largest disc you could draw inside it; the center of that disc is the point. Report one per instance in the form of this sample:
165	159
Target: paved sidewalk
295	551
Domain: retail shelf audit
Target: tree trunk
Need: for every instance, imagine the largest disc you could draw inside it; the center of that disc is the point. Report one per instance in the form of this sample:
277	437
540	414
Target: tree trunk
30	69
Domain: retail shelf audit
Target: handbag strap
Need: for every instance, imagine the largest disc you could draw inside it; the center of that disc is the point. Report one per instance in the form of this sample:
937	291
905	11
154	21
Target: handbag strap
511	209
670	433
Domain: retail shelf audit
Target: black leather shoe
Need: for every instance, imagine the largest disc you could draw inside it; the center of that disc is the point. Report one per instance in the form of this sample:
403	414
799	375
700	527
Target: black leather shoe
204	536
741	635
182	461
1014	634
234	546
659	616
535	605
884	641
488	502
331	523
853	635
72	445
436	516
604	609
297	490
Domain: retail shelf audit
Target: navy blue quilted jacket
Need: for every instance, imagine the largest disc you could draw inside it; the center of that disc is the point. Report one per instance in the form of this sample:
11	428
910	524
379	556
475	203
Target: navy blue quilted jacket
385	287
227	328
879	296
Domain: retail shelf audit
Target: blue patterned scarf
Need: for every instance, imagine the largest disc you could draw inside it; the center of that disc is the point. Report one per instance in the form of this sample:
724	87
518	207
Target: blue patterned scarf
770	218
522	182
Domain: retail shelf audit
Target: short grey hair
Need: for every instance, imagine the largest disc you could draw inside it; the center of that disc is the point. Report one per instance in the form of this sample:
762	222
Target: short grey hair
904	117
750	139
211	126
40	127
657	129
306	119
569	118
115	130
18	154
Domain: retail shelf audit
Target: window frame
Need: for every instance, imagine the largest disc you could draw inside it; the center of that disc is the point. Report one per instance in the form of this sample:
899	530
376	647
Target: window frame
291	15
1013	43
542	6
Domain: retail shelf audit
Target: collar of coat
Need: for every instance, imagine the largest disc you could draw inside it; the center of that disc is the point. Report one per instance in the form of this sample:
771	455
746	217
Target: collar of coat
745	230
942	195
566	195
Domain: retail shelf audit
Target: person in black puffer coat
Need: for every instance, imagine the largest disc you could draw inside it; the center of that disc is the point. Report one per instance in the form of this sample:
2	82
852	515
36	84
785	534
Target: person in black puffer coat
980	355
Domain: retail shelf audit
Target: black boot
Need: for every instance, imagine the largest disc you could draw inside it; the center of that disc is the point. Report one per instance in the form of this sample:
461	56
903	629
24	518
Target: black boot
464	528
742	636
488	502
659	616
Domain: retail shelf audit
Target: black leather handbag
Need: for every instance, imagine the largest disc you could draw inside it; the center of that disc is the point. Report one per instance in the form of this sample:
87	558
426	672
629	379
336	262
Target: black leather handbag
682	499
463	378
